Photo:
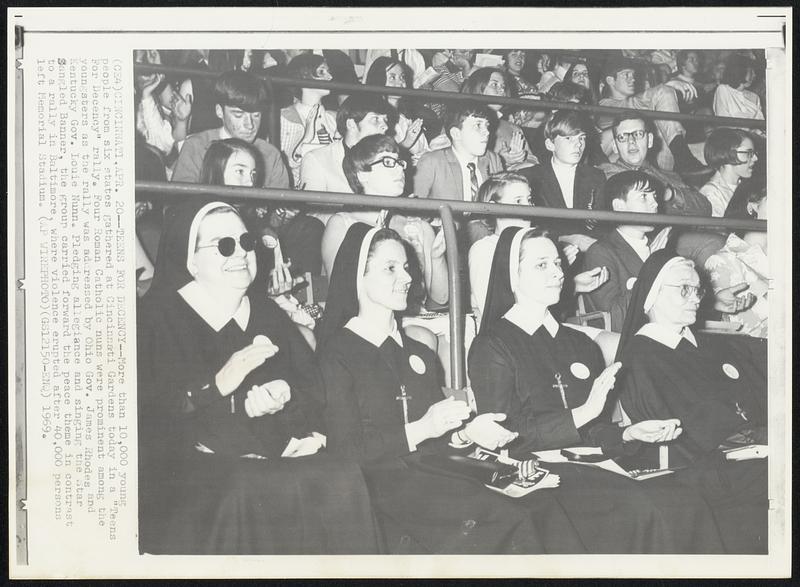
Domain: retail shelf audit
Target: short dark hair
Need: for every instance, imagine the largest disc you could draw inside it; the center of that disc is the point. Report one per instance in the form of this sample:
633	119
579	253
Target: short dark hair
623	117
683	55
616	64
721	145
568	91
240	89
362	154
357	106
455	117
736	67
303	66
620	185
216	158
565	123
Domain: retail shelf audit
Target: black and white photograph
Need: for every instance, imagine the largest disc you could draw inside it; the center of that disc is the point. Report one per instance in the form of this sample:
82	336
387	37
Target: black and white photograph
286	295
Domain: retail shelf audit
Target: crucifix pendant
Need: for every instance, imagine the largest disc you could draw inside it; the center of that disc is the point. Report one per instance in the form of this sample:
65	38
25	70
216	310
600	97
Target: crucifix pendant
561	387
404	397
741	412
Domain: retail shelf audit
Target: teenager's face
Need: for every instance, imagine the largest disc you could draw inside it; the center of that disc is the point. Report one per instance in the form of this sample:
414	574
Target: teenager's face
209	267
322	73
632	141
670	307
519	194
382	180
372	124
750	76
239	123
624	82
540	274
692	64
641	200
496	86
386	281
240	169
473	136
396	77
580	76
515	61
567	149
746	154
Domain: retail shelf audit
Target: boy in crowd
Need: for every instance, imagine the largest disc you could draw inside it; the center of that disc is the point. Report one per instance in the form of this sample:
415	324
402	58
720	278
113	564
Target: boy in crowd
632	142
240	99
625	249
620	82
565	182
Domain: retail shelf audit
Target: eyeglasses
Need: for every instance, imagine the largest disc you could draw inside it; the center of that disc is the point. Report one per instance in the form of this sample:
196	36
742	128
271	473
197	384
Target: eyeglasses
636	135
747	154
389	162
227	244
687	290
580	74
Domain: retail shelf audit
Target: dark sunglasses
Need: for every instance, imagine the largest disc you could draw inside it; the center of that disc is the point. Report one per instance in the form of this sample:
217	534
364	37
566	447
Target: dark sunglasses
227	244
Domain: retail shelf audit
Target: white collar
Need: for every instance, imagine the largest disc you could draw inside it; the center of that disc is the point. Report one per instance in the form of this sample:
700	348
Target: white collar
667	337
561	168
637	244
208	309
520	317
372	334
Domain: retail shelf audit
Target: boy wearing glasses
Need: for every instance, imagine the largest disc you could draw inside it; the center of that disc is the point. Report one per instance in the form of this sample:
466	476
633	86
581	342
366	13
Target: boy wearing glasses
240	99
632	142
620	83
732	153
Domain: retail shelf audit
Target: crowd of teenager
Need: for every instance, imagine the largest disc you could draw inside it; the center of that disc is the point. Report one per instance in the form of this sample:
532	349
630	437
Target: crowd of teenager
294	374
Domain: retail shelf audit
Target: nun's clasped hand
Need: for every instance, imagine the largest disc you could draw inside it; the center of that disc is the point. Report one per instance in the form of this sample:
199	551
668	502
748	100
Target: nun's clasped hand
653	431
444	416
268	398
242	362
485	431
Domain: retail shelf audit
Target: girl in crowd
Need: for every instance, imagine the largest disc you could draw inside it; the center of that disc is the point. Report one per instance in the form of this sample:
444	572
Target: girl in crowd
714	384
515	65
551	382
732	97
733	154
579	73
373	167
391	73
226	389
508	140
385	409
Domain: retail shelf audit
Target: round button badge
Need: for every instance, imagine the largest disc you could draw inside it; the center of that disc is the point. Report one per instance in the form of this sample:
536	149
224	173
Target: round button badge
730	371
579	370
417	364
630	283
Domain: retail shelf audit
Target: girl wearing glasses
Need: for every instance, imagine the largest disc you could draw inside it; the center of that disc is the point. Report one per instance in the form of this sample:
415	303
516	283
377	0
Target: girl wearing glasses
714	384
227	387
732	153
551	381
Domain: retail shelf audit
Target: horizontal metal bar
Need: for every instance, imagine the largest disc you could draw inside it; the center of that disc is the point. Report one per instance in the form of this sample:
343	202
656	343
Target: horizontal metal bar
433	206
458	97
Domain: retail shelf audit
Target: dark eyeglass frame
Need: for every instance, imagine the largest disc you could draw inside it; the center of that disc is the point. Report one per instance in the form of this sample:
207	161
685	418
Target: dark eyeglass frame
637	135
687	289
748	153
394	162
227	244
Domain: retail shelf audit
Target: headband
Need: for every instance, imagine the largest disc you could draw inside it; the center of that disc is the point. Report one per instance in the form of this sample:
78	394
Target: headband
363	253
513	260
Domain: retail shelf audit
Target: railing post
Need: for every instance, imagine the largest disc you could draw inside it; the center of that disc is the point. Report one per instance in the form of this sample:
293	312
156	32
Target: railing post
273	114
455	303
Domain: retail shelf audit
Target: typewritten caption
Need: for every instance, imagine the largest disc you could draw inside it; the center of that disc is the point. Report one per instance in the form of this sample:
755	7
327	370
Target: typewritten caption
84	410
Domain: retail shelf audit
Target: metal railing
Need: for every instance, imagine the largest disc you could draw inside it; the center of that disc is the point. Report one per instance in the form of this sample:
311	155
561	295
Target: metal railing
445	209
436	96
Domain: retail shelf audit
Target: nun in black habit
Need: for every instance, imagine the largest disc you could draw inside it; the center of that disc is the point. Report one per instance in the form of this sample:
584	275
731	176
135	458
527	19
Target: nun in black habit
228	390
552	382
385	409
708	382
